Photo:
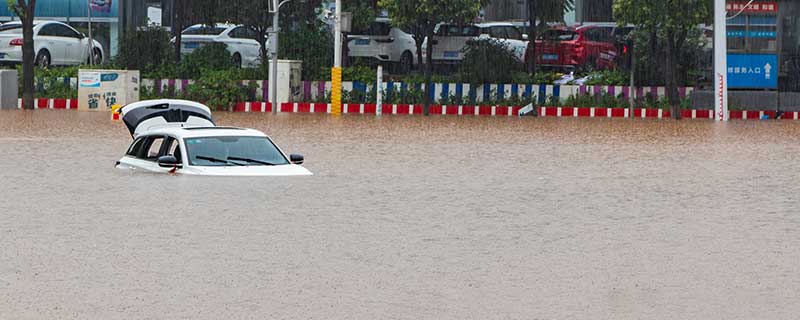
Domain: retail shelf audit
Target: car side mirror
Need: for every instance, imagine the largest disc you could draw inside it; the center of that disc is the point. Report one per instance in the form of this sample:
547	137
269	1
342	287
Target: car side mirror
296	158
168	162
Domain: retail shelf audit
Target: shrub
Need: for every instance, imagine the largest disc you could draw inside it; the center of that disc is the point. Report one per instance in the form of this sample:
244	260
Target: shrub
489	61
219	89
311	45
147	50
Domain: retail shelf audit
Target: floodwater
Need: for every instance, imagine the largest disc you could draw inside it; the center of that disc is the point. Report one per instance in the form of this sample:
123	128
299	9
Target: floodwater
408	218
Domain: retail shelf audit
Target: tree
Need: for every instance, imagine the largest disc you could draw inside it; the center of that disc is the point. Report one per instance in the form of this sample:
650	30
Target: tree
25	10
669	24
540	12
187	12
255	16
423	15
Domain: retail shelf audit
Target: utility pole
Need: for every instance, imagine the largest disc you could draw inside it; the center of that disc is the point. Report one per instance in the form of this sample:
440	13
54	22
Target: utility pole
275	34
720	62
336	72
91	41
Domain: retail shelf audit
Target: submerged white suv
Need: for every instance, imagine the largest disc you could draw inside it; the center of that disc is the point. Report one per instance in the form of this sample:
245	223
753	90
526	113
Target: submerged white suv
177	136
384	43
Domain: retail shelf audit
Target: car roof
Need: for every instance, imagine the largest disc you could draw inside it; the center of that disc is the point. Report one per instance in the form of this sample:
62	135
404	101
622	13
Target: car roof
199	132
495	24
218	25
36	22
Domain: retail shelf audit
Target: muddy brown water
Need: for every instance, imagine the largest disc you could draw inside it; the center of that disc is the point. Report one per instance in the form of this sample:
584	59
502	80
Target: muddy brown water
408	218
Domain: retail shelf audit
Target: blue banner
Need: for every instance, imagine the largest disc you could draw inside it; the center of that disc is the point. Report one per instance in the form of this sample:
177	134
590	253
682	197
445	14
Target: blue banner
70	8
752	71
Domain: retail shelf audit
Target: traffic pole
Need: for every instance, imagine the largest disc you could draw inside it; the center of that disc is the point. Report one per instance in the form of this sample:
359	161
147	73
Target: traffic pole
336	72
273	83
379	90
720	62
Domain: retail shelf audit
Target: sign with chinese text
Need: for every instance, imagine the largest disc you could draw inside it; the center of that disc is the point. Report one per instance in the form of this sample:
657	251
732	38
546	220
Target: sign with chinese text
99	90
753	71
755	7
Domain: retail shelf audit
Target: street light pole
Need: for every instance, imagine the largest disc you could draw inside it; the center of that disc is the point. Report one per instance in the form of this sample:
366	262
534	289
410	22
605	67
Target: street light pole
273	81
337	46
720	62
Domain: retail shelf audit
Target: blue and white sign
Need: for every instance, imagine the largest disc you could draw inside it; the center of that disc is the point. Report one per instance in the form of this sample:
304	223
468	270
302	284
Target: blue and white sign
753	71
753	34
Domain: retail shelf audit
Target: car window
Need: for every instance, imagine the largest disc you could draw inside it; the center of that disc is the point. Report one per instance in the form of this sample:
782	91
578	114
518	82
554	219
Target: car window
597	35
375	29
135	148
204	31
513	33
11	28
50	30
64	31
458	31
498	32
154	148
558	35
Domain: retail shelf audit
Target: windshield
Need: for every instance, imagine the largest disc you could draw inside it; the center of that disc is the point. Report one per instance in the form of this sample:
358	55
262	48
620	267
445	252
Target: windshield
458	31
204	31
558	35
233	151
375	29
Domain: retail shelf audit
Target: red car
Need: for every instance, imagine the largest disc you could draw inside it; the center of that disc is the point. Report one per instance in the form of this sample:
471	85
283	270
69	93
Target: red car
585	48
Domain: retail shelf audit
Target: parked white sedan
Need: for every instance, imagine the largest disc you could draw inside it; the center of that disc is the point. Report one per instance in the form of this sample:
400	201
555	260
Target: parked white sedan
384	43
177	136
55	43
240	41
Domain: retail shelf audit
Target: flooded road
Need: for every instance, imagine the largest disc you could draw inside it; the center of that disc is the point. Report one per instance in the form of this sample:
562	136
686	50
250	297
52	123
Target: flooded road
408	218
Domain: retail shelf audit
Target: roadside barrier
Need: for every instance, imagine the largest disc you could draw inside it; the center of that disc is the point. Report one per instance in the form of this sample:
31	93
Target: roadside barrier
319	90
462	110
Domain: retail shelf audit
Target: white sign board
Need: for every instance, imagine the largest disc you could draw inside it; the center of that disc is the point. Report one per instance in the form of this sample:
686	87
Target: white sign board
99	90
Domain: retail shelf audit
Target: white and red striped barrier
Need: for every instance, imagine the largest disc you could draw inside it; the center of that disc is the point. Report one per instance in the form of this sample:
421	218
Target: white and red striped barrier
499	111
52	103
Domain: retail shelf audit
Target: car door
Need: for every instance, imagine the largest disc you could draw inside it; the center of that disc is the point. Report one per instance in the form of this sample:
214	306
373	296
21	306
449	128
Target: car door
515	42
75	52
144	153
249	37
242	40
49	39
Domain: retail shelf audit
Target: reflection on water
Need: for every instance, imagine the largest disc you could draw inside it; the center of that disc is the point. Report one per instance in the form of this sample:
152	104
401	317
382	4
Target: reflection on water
408	217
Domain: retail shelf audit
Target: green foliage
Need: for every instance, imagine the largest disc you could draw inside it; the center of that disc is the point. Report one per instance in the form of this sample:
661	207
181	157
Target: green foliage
146	50
489	61
608	77
219	89
311	45
551	10
211	57
54	88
